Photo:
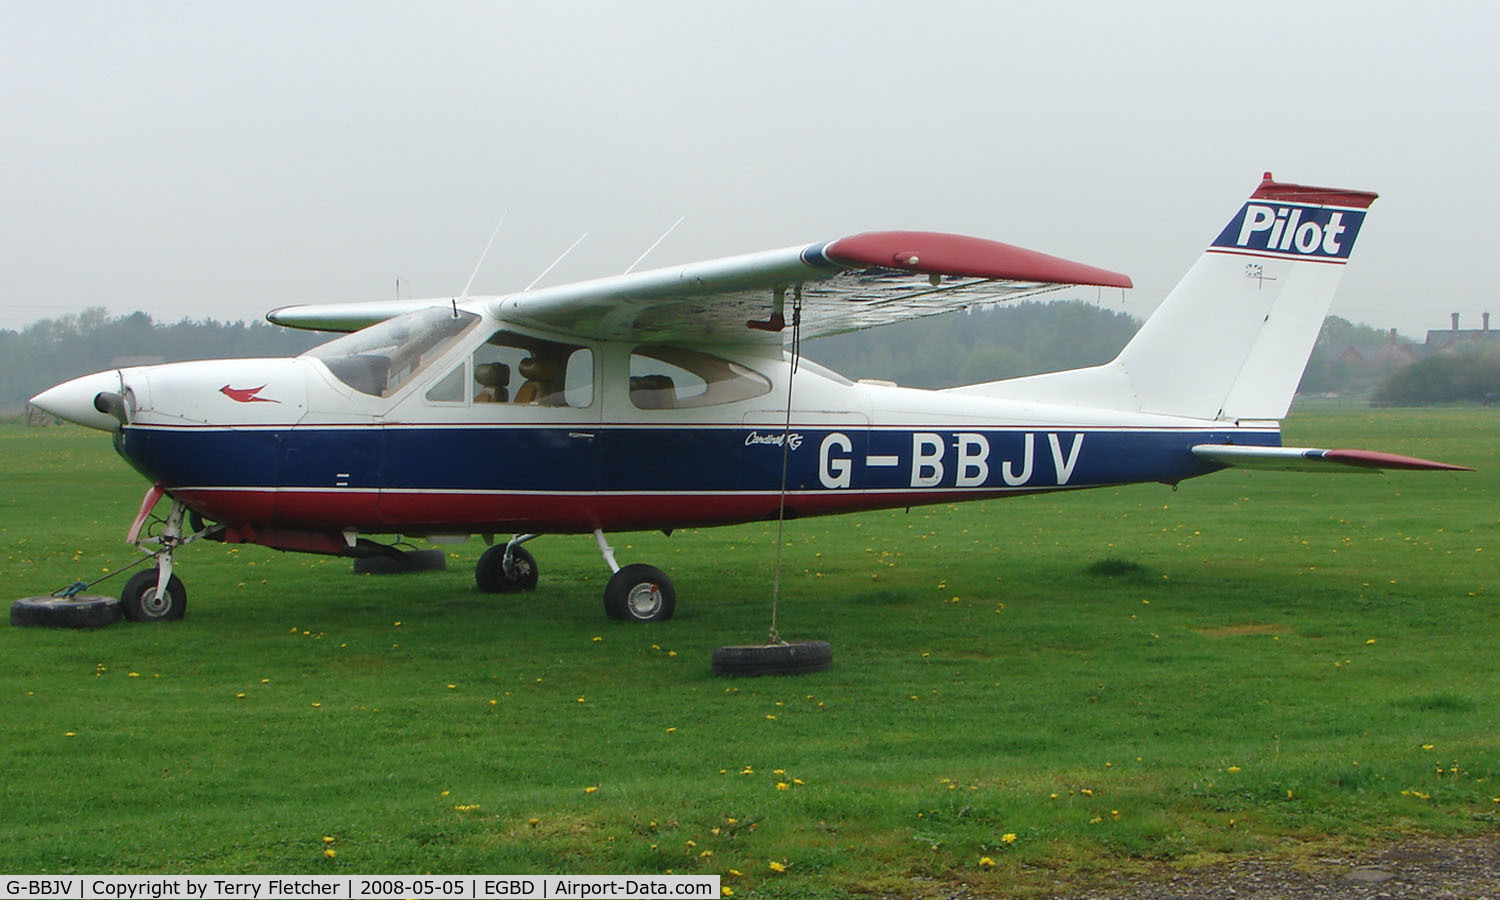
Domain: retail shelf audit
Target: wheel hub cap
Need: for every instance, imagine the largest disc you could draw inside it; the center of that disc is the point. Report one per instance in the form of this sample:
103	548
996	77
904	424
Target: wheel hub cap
153	603
644	600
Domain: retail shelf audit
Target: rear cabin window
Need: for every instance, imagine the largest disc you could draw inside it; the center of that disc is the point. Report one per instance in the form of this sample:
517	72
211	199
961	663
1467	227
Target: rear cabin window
521	370
666	377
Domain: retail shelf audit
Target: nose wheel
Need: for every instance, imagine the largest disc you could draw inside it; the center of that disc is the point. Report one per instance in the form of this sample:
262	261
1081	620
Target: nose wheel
144	600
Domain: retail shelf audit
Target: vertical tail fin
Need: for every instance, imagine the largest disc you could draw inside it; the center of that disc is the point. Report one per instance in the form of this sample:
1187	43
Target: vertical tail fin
1232	338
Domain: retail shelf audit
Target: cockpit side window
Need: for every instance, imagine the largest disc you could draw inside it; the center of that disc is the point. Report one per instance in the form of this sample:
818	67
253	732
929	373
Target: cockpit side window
666	377
522	370
382	359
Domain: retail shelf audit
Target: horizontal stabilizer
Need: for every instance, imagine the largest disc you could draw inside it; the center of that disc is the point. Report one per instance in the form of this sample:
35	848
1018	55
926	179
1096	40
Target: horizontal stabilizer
1304	459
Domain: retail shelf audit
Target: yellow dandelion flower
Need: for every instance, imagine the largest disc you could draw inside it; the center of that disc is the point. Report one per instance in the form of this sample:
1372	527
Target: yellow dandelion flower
596	639
239	696
726	891
778	772
452	686
70	734
1233	769
1008	838
317	705
986	863
533	821
444	793
737	873
591	789
327	839
672	730
782	785
775	866
330	853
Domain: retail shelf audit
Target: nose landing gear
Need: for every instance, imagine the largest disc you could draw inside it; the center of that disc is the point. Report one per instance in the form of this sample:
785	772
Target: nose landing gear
156	594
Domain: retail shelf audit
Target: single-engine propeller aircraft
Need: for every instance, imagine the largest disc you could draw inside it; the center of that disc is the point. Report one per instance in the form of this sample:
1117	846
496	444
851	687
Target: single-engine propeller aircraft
676	397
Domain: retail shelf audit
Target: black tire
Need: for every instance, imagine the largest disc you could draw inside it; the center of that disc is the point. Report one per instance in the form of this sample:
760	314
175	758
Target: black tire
797	658
490	575
139	603
80	611
403	562
640	593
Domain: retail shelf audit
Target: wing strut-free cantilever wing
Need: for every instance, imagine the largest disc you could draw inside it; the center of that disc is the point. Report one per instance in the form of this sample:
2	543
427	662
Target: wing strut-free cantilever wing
853	282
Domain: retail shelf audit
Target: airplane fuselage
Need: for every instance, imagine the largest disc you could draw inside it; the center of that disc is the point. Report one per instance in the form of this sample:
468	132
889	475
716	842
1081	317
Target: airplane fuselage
274	446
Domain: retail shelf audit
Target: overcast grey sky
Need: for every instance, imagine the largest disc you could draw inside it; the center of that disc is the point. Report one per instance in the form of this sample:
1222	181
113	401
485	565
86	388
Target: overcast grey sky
218	160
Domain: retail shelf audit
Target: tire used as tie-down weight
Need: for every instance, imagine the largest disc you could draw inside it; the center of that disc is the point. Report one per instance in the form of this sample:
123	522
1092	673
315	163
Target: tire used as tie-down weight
78	611
796	658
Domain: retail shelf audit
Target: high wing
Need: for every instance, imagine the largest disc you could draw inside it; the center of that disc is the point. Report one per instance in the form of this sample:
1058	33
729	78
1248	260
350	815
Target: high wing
854	282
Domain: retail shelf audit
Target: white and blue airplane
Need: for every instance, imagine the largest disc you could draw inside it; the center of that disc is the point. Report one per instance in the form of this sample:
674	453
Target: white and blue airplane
676	397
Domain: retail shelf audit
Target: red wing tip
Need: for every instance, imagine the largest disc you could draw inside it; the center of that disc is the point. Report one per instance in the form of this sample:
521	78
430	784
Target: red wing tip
953	254
1374	459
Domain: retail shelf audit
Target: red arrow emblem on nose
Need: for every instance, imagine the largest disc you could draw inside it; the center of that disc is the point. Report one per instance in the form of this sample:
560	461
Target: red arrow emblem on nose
246	395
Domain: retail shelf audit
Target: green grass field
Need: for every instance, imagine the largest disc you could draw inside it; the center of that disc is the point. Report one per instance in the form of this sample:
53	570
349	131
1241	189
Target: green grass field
1025	691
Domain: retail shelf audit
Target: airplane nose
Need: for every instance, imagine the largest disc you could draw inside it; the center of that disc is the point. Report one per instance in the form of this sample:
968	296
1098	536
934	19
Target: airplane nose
92	400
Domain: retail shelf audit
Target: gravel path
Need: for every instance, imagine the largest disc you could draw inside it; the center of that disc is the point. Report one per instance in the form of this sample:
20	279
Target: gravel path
1426	868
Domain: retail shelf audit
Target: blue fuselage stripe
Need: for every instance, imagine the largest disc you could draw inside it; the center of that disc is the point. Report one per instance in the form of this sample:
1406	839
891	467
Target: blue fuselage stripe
664	459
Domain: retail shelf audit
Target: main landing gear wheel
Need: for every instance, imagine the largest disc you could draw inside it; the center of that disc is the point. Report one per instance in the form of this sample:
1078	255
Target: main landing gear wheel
78	611
140	602
640	593
492	577
796	658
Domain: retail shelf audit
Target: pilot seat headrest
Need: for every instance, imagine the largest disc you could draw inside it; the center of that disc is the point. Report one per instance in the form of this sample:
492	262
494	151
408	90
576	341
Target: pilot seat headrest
495	374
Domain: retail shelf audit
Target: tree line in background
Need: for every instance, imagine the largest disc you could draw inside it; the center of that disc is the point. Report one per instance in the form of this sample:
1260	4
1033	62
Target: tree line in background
50	351
939	351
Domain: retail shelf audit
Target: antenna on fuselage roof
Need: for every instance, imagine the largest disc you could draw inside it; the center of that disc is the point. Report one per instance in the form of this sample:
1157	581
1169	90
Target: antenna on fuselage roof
486	252
631	267
554	263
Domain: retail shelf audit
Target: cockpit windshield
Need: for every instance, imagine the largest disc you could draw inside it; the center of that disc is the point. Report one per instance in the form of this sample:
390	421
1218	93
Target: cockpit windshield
383	358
